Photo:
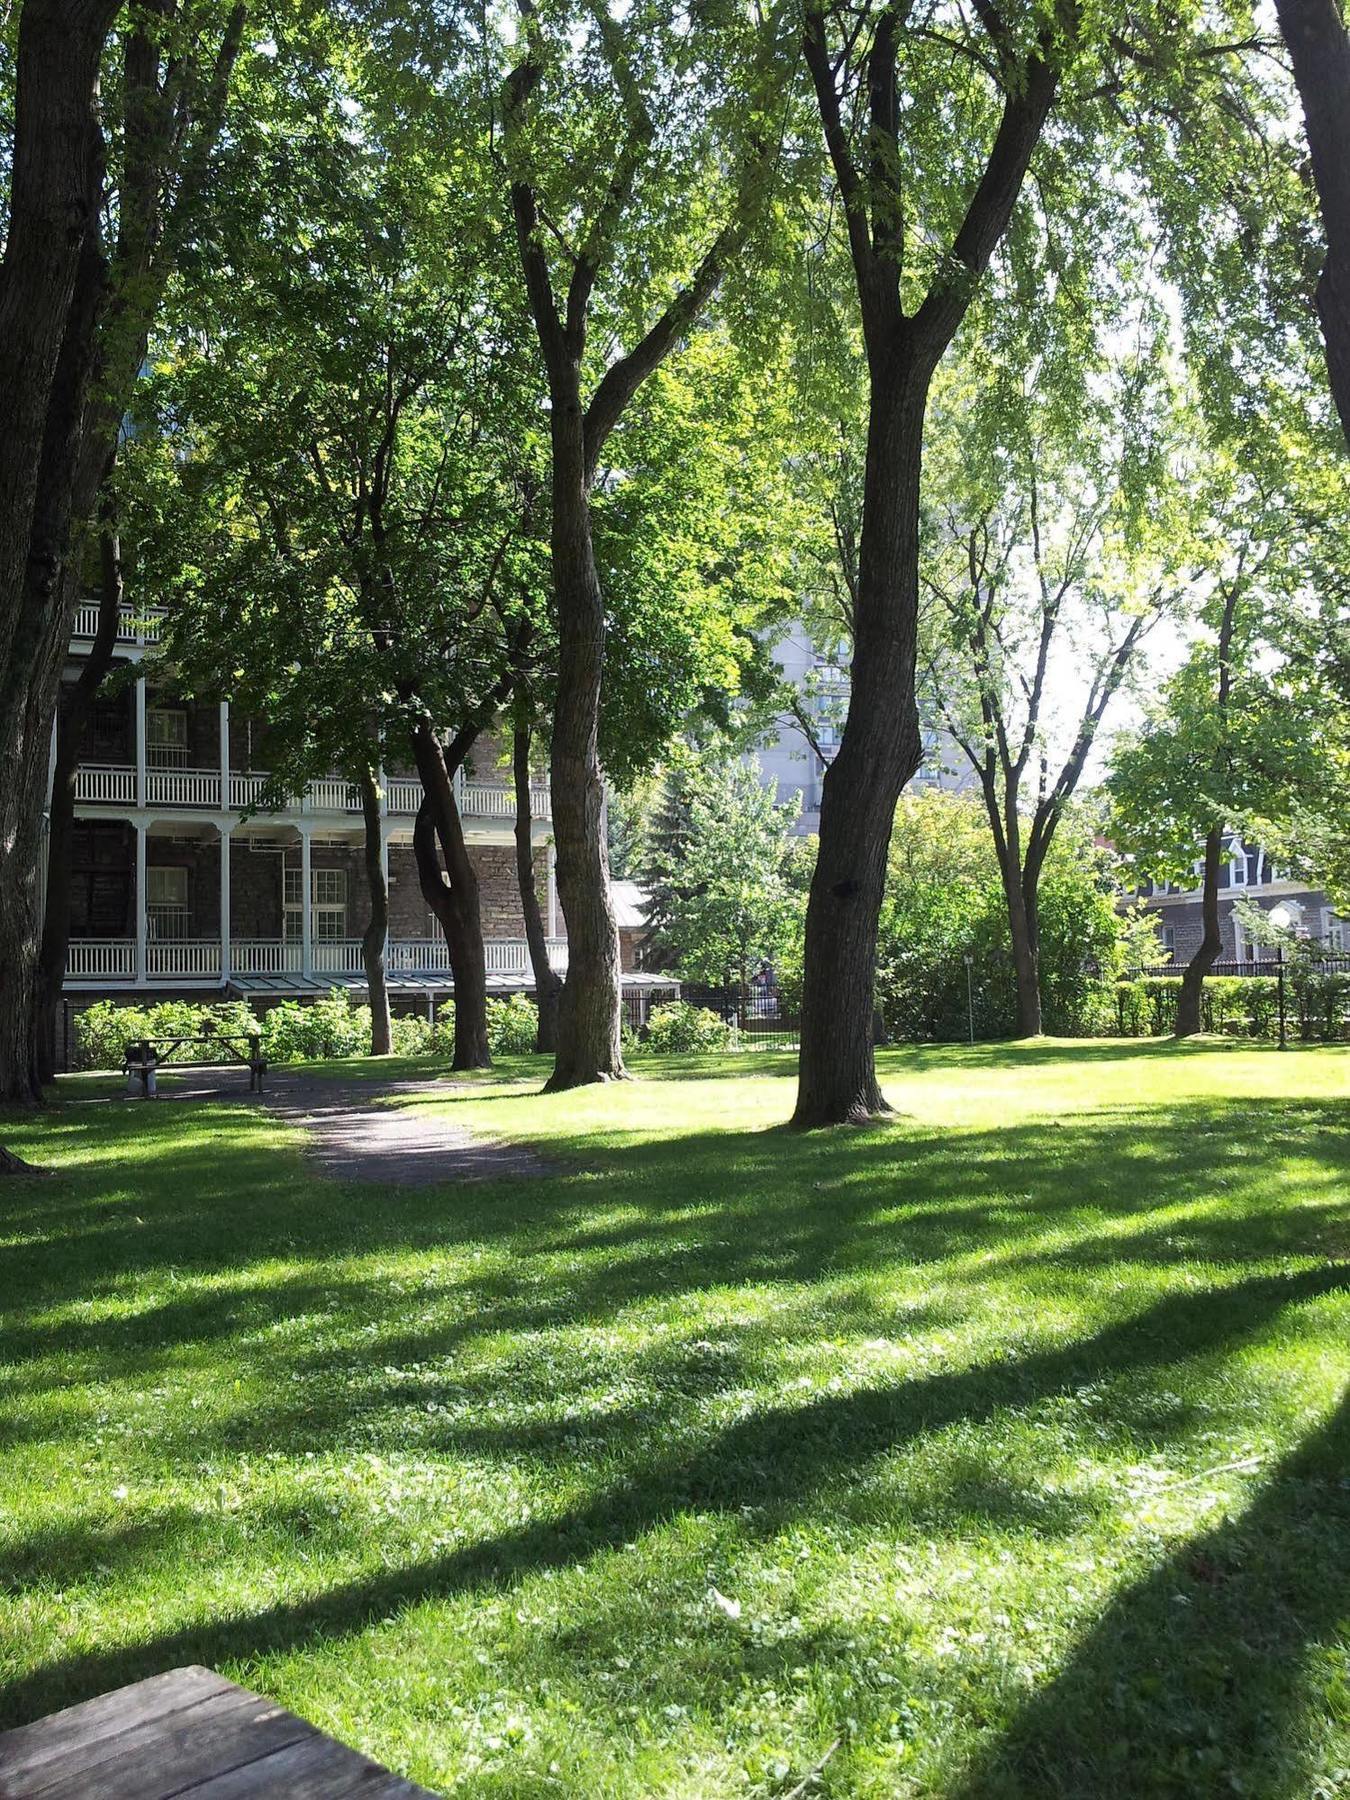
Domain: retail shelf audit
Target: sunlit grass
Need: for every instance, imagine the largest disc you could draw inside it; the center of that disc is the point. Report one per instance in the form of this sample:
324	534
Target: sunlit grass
1002	1448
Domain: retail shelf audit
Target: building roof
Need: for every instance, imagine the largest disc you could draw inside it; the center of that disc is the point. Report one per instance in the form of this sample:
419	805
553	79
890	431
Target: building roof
630	905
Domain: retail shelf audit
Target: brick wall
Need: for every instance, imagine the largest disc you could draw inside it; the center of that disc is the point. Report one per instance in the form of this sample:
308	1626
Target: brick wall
410	916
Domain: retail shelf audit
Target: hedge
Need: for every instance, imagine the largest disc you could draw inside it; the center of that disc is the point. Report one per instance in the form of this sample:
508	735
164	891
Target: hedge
1317	1006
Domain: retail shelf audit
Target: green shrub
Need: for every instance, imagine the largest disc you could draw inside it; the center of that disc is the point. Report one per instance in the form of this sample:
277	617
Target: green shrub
679	1028
410	1036
1247	1006
103	1031
512	1025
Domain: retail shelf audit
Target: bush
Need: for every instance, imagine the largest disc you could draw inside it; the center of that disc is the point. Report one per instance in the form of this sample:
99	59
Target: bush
512	1025
410	1036
1316	1005
103	1031
679	1028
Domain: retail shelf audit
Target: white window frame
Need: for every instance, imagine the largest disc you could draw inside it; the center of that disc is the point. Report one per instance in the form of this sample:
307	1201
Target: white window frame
327	904
171	750
166	902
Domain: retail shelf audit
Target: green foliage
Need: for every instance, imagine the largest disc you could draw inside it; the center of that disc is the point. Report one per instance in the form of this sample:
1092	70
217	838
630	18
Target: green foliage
725	881
290	1032
680	1029
944	902
1317	1005
512	1025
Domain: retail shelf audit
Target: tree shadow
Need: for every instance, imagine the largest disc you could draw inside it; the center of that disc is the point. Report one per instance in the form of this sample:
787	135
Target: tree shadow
1223	1672
767	1469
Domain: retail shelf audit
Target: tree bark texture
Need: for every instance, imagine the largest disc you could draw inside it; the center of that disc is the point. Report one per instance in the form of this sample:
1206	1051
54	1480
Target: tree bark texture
1211	943
881	745
455	903
377	926
72	722
1319	46
880	749
547	984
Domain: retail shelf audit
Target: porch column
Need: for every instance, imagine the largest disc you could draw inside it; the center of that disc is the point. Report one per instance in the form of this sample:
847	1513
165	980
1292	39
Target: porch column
552	892
306	908
140	740
224	756
140	899
224	904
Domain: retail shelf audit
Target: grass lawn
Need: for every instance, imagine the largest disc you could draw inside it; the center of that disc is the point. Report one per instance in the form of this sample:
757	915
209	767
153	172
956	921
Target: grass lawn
1000	1451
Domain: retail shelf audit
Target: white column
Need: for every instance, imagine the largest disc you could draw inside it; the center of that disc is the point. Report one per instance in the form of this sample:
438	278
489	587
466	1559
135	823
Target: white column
51	748
140	740
224	907
224	756
384	871
552	892
140	897
306	909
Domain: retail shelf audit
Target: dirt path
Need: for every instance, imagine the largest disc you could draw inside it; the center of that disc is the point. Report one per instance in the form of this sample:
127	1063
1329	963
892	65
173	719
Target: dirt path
355	1134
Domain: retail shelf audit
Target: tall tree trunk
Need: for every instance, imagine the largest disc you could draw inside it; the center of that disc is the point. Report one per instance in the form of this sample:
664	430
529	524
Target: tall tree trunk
1193	976
880	749
589	1009
377	926
29	684
547	985
456	903
72	722
1024	936
1319	46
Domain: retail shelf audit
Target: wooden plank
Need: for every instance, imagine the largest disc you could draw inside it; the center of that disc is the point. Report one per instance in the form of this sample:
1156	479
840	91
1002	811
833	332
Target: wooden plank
317	1769
189	1734
167	1755
29	1748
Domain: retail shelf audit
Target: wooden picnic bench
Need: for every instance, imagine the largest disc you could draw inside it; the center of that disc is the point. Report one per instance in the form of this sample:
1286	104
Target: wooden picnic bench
189	1733
146	1056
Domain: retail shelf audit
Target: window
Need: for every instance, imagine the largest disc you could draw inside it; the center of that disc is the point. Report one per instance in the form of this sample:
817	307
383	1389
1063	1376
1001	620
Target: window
166	905
328	903
1168	936
1337	933
166	738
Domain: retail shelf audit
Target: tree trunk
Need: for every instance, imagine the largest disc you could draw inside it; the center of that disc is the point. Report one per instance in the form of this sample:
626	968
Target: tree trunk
377	927
879	751
72	721
1193	977
456	902
1024	936
29	684
547	985
1320	49
589	1008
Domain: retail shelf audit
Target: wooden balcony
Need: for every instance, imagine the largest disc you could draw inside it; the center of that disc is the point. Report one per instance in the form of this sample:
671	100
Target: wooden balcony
197	960
202	790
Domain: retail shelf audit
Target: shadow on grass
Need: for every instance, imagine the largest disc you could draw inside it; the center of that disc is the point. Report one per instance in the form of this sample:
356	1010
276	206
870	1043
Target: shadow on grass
768	1469
1197	1680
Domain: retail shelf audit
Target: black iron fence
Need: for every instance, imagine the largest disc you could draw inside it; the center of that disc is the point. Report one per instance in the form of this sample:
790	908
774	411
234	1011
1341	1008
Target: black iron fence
761	1017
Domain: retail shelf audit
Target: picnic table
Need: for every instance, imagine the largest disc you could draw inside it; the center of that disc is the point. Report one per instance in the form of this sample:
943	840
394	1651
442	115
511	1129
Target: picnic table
187	1733
146	1056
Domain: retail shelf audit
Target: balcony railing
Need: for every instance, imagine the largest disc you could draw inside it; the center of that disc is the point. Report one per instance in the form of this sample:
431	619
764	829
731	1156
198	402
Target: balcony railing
197	959
102	784
132	627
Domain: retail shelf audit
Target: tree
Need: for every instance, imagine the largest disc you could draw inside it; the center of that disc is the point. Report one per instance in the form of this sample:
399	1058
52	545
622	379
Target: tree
177	66
1047	578
944	965
649	95
357	421
722	899
1235	734
51	281
1319	48
907	320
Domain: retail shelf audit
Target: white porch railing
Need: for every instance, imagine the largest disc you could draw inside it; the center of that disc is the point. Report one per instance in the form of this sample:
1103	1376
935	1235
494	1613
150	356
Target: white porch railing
132	628
101	959
331	795
245	789
264	956
403	796
193	957
183	787
337	956
102	784
503	956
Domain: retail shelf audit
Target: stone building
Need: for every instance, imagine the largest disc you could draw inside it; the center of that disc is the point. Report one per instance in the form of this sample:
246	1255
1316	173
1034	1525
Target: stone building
1245	872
